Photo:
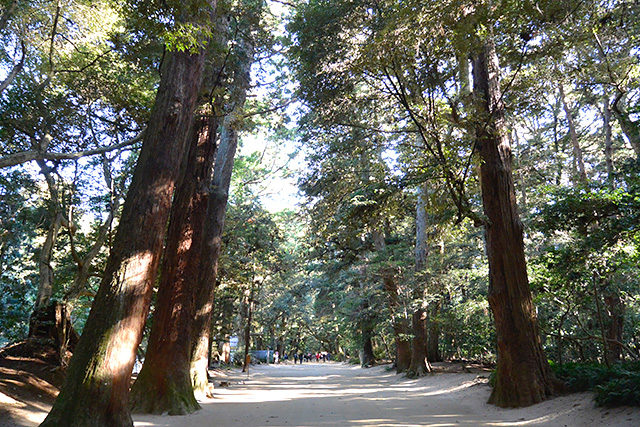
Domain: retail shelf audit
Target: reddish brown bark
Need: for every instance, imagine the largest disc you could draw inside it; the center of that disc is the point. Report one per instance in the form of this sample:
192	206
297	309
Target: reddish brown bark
164	383
419	361
96	390
523	376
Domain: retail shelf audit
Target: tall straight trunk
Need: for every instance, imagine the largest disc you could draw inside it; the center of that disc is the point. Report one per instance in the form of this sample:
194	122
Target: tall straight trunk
247	329
164	383
608	140
419	364
523	376
368	358
96	389
214	223
578	160
398	320
615	309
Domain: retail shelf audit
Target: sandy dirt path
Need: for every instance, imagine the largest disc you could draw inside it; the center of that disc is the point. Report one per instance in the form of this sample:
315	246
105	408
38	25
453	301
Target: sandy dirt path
334	394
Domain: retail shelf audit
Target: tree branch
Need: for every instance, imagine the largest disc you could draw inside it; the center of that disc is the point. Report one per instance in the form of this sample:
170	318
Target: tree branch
27	156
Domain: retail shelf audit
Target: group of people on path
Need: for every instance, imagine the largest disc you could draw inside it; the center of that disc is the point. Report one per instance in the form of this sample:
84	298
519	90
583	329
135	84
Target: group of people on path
311	357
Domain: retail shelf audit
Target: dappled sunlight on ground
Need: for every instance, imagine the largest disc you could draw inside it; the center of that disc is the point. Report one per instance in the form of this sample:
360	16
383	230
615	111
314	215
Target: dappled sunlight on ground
332	394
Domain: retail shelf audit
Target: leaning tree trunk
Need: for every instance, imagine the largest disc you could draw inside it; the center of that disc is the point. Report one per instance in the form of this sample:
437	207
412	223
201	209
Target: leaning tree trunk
214	224
578	161
96	389
164	383
523	376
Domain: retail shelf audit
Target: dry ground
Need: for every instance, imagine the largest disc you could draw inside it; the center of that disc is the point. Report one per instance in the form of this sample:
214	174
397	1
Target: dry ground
333	394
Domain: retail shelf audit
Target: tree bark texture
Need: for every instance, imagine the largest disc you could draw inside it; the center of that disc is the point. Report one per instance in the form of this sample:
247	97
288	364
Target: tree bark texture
419	364
523	376
368	358
214	224
419	361
164	383
96	389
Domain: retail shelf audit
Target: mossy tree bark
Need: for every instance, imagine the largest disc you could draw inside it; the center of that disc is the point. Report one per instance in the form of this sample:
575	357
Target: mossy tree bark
523	374
96	389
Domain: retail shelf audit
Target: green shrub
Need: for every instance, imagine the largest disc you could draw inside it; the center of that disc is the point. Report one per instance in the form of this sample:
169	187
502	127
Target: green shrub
581	376
617	385
623	391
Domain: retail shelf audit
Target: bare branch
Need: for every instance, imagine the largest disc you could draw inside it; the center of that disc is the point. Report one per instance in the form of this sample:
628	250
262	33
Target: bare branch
14	71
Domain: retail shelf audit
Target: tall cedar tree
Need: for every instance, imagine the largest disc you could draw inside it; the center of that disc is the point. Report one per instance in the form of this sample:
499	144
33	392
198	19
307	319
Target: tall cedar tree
523	374
216	211
164	383
96	389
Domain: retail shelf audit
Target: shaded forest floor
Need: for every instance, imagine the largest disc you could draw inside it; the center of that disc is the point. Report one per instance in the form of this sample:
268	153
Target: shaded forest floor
317	394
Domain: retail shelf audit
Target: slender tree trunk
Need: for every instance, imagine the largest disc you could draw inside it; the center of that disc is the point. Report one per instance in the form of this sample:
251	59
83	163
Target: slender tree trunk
85	264
209	258
45	286
608	140
164	383
247	329
573	133
630	128
523	376
419	364
96	389
615	309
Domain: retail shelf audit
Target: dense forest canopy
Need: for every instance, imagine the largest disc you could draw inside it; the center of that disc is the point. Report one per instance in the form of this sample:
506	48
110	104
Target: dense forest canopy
467	176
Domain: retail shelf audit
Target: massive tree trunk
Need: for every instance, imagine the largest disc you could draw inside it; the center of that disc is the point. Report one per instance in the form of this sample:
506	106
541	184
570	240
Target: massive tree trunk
96	389
214	224
164	383
523	376
367	357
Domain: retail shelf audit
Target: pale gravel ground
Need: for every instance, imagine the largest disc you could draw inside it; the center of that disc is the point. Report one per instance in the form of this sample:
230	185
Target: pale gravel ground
333	394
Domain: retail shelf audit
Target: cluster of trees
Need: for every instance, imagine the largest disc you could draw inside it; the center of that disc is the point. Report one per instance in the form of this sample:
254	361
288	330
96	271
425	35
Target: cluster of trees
425	122
470	188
